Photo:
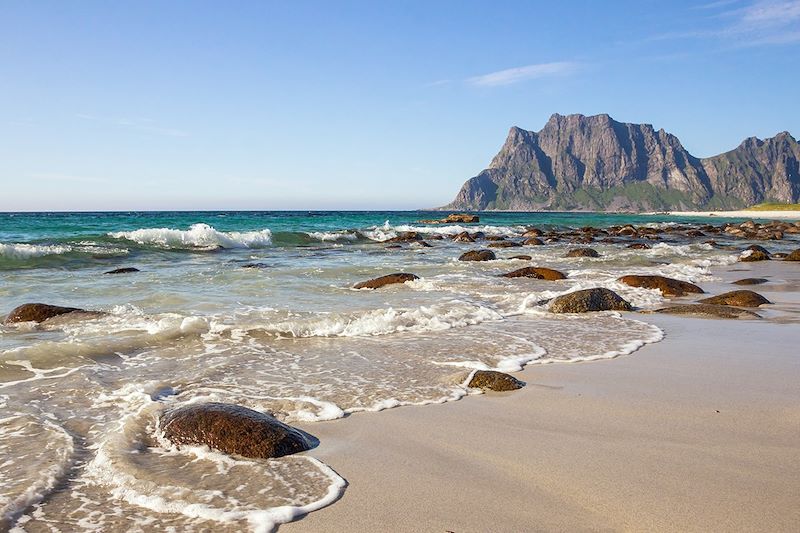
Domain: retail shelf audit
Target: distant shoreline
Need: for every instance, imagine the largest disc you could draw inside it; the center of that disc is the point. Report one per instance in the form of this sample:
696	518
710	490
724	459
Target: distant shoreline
790	215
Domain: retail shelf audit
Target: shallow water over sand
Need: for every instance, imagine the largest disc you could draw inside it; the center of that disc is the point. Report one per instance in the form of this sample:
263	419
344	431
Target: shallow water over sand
235	314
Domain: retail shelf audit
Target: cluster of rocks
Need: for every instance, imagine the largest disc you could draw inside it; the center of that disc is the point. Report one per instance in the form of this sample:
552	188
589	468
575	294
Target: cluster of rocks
455	218
773	231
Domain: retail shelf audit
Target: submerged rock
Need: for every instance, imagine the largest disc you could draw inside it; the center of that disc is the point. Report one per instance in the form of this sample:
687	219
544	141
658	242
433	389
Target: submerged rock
750	281
126	270
708	310
232	429
597	299
536	272
740	298
495	381
38	312
582	252
478	255
256	265
377	283
667	286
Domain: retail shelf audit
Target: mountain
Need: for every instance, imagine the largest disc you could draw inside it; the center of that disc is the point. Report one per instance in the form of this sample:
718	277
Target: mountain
579	162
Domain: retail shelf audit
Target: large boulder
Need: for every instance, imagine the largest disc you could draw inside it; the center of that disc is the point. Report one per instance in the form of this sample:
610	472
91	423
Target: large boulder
750	281
377	283
495	381
597	299
741	298
37	312
536	272
478	255
794	256
582	252
461	218
667	286
707	310
232	429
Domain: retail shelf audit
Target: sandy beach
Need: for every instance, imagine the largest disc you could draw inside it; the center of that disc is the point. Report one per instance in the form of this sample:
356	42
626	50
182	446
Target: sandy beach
771	215
698	432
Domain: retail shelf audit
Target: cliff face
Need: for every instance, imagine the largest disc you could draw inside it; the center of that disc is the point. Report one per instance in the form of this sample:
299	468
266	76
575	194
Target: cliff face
597	163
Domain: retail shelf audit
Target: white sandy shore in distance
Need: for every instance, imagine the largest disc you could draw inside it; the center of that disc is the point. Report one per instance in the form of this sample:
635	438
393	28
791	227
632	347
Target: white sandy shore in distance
772	215
700	432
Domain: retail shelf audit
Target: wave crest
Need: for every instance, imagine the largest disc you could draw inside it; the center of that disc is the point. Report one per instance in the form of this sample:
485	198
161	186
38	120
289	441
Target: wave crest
197	236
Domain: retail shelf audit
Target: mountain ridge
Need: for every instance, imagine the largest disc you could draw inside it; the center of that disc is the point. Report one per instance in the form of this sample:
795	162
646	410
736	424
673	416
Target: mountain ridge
582	163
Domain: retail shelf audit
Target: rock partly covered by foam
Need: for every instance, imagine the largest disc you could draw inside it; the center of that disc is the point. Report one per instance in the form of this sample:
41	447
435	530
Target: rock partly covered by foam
232	429
667	286
478	255
495	381
754	254
750	281
126	270
741	298
583	252
405	236
707	310
38	312
597	299
377	283
536	272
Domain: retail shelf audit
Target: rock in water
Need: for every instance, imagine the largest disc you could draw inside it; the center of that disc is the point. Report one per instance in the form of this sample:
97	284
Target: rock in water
232	429
750	281
37	312
536	272
478	255
126	270
667	286
377	283
742	298
794	256
750	256
597	299
463	237
504	244
708	310
495	381
583	252
521	257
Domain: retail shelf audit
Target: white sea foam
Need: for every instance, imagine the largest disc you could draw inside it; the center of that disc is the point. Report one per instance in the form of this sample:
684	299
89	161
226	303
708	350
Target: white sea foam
327	236
21	251
197	236
387	231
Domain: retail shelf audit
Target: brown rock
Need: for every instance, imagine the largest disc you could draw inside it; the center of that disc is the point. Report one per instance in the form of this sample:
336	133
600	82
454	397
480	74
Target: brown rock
754	255
741	298
639	246
37	313
504	244
533	232
533	241
405	236
522	257
583	252
536	272
478	255
377	283
495	381
462	218
750	281
794	256
708	310
667	286
597	299
463	237
232	429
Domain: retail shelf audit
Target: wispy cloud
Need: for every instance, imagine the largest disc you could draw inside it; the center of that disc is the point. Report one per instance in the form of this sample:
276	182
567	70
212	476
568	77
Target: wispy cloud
519	74
144	125
763	22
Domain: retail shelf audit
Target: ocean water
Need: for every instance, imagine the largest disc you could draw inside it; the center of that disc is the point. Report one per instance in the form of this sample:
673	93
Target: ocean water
258	309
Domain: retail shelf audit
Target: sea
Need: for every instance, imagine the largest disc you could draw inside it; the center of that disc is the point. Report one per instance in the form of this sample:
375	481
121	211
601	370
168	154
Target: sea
258	309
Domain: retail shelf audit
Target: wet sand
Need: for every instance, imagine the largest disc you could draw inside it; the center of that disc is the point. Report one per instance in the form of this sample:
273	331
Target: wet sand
700	432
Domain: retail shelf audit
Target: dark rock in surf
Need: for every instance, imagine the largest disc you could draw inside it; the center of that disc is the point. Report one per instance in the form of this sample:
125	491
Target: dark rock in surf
478	255
533	241
377	283
521	257
504	244
537	273
232	429
126	270
751	281
794	256
740	298
588	300
667	286
582	252
639	246
494	381
38	312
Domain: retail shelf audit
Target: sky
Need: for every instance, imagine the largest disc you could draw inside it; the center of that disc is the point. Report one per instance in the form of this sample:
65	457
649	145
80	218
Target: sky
358	105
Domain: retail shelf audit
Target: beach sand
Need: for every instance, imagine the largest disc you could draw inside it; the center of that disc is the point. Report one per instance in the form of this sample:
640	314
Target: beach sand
700	432
771	215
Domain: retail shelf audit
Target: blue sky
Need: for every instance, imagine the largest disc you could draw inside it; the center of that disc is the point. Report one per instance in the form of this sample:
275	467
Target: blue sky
358	105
